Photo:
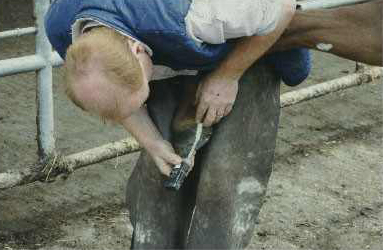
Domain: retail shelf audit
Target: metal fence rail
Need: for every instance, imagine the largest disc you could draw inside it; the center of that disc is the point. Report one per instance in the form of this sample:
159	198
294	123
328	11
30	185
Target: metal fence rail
25	64
42	62
66	164
18	32
45	128
325	4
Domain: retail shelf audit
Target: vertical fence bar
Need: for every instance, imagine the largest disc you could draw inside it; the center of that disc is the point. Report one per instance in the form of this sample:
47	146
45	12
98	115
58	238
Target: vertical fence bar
44	95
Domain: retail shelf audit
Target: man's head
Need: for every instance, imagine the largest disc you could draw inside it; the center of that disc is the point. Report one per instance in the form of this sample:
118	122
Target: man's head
107	73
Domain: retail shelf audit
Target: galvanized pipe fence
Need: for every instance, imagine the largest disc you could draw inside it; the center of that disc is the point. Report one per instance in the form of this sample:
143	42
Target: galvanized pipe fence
52	163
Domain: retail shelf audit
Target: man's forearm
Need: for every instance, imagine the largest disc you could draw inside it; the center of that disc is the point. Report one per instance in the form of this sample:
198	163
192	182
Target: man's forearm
140	125
250	49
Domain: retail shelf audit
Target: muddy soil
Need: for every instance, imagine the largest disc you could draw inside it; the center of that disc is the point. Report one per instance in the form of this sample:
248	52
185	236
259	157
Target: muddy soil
325	192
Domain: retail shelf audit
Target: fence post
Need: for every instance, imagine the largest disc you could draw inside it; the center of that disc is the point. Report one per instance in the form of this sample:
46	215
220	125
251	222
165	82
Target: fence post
44	95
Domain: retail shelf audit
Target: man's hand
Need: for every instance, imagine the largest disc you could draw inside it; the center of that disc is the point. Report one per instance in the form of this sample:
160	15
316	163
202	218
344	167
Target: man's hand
215	98
163	156
140	125
217	91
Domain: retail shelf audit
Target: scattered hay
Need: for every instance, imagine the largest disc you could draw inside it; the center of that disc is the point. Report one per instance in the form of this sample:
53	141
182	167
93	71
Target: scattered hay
55	166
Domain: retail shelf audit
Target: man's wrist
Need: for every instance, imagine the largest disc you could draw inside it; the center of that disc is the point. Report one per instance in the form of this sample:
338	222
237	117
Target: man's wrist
149	144
232	75
154	145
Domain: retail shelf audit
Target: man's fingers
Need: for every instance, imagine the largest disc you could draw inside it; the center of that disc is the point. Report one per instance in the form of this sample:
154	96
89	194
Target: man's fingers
220	115
201	110
164	167
173	159
210	117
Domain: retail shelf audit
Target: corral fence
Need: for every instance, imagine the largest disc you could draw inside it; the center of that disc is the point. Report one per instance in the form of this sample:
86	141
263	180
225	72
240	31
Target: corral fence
52	163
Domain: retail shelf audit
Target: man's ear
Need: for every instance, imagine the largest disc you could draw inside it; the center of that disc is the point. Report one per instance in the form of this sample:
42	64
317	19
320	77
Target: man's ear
136	47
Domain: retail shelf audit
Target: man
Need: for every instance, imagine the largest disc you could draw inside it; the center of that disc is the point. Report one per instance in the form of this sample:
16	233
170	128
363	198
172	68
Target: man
110	65
108	74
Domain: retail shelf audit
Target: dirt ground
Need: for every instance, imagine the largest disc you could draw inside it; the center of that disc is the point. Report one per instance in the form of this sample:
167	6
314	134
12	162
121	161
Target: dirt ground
325	192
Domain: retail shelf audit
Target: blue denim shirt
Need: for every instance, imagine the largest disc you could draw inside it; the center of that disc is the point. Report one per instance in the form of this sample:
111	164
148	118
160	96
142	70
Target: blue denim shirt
158	23
161	25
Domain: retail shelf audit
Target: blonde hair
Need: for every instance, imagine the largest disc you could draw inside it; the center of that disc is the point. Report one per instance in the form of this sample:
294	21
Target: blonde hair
118	63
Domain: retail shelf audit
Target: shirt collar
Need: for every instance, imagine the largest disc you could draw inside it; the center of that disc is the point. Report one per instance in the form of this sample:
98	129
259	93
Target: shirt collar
82	24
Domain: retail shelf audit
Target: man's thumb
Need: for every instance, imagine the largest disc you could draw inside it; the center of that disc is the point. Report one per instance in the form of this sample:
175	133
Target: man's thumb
174	159
164	168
